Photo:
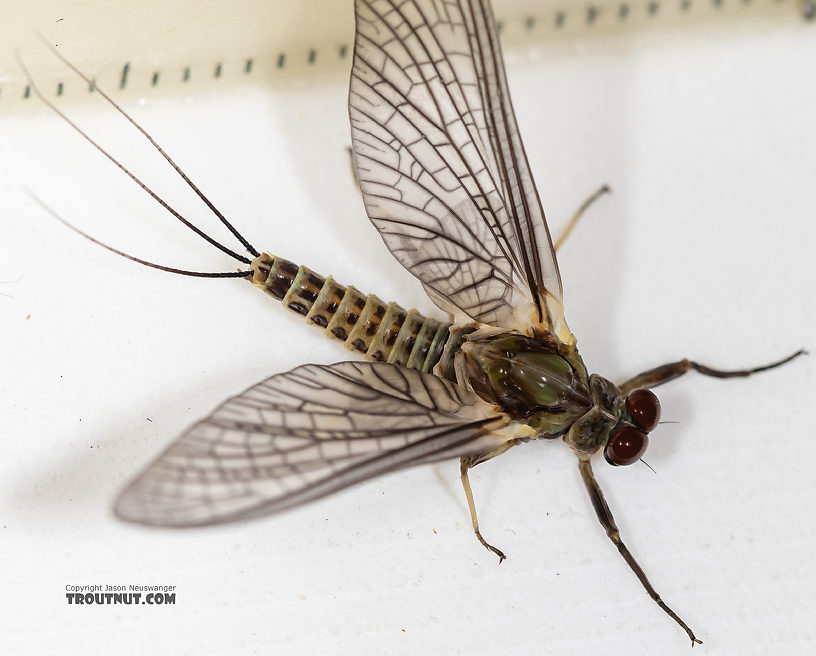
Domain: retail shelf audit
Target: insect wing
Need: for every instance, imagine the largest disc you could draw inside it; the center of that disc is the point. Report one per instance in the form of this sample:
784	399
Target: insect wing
441	165
304	434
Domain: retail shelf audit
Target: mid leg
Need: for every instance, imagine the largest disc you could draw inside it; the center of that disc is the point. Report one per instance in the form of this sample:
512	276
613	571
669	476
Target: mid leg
468	463
667	372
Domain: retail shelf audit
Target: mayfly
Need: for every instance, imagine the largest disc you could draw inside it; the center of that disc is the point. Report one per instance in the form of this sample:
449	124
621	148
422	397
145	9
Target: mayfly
447	184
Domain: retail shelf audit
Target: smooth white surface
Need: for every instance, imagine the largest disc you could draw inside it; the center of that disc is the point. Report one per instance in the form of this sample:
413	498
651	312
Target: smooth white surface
705	250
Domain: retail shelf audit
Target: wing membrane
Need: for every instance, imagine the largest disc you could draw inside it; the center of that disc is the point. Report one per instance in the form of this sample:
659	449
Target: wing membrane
306	433
441	165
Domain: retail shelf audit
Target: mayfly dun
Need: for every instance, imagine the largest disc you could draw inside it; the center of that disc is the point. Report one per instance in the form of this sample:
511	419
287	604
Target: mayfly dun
446	182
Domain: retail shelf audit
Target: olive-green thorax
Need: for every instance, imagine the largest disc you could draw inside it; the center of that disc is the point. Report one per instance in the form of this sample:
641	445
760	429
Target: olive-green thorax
529	379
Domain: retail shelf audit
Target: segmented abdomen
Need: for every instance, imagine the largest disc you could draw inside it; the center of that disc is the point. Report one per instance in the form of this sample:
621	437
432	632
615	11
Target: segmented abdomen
377	330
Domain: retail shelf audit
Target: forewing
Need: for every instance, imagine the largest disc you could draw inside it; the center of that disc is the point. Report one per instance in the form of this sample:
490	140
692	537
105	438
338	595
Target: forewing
306	433
441	166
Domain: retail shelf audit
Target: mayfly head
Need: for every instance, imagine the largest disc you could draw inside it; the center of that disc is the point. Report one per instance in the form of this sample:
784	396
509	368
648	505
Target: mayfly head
619	425
628	441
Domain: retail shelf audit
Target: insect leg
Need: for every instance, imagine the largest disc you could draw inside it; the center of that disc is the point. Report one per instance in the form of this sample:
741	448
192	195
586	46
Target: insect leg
608	522
579	213
468	463
667	372
353	168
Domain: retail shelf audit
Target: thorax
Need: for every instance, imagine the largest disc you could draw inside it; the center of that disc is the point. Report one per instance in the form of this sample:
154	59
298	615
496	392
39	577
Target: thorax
532	380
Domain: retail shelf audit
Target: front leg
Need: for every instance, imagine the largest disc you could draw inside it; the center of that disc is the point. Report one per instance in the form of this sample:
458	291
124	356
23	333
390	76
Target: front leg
667	372
612	532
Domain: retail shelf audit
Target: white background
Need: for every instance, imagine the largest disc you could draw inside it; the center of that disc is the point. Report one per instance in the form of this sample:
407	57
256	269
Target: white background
706	132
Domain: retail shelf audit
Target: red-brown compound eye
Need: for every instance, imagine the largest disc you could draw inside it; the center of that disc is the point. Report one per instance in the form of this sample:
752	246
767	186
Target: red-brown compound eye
644	408
625	446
